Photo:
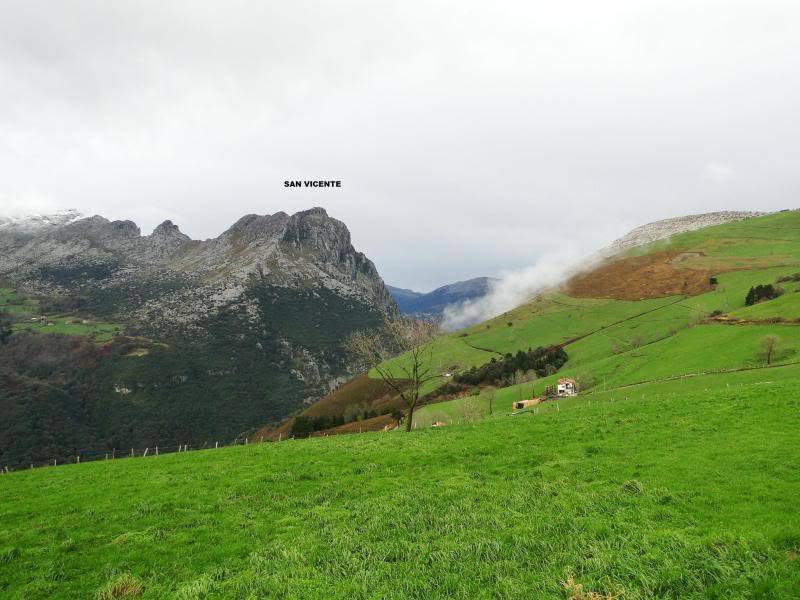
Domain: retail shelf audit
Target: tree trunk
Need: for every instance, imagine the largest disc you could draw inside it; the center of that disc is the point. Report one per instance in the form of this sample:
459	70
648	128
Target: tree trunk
410	418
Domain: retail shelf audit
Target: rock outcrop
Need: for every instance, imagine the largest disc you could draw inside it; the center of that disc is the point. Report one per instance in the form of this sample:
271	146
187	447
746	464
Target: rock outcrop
661	230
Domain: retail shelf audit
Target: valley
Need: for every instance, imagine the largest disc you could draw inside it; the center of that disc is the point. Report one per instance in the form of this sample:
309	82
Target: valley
672	473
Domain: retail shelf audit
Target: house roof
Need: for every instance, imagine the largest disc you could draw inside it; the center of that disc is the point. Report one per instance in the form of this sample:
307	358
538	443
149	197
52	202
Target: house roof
566	380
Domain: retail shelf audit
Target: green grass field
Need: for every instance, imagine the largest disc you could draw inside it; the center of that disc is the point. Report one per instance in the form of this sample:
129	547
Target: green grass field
672	491
674	474
27	312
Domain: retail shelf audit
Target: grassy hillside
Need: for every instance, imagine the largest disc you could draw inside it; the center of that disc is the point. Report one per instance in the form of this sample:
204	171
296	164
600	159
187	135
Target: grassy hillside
667	491
646	323
617	341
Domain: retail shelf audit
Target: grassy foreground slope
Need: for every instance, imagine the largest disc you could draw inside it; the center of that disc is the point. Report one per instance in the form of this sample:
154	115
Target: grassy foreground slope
685	492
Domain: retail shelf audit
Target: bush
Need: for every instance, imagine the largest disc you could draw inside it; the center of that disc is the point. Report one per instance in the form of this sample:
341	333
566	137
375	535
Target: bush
302	427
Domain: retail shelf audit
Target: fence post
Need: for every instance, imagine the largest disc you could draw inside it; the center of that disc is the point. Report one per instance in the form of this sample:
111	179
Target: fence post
245	441
145	452
55	462
79	459
261	441
156	450
216	445
131	452
279	436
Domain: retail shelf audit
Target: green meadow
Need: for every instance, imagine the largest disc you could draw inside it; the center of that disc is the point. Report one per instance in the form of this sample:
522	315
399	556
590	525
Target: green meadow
675	473
26	312
683	490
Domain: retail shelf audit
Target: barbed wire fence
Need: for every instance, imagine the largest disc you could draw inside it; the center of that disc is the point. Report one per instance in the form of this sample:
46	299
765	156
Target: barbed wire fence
84	456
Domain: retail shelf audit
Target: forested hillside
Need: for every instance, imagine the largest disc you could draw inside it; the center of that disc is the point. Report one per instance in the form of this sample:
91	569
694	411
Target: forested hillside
122	340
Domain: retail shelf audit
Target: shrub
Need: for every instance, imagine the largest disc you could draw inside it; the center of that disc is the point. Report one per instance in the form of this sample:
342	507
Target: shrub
302	426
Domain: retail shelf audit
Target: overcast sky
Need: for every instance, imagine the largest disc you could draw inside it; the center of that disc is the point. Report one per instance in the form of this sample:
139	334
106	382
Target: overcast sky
470	137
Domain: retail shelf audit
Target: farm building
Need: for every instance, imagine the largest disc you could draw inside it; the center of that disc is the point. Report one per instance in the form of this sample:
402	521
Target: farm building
519	405
566	387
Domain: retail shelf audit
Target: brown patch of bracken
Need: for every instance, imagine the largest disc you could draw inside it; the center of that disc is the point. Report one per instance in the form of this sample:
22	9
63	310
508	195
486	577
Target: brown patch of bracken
635	278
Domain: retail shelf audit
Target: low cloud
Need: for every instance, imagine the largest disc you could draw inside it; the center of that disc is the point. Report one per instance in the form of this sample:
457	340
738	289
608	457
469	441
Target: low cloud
517	287
718	172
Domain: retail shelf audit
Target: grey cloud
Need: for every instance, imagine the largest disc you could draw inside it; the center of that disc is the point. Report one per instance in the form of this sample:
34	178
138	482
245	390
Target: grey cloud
469	141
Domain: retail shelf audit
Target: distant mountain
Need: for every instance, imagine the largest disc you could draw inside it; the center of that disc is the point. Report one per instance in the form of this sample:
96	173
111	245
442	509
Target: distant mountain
432	304
211	338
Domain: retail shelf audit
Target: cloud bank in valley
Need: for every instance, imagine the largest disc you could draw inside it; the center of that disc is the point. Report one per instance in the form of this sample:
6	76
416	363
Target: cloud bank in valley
516	287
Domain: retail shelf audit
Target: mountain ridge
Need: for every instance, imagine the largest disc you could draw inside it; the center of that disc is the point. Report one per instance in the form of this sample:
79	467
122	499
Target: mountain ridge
432	304
203	338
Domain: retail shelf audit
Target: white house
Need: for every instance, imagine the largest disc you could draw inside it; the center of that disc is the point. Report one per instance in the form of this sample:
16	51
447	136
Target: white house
566	387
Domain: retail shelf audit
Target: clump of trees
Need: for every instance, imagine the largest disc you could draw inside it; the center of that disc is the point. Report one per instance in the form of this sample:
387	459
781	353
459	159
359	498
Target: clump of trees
516	368
374	349
305	425
786	278
760	292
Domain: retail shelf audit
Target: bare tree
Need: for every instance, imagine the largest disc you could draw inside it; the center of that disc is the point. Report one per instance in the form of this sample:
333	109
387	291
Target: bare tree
490	396
770	345
405	374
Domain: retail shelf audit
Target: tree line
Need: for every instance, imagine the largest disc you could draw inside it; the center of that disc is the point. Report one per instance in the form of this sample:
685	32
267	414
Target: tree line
543	361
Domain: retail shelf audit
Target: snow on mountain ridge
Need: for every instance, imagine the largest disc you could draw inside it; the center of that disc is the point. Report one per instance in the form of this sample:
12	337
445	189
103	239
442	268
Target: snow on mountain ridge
32	223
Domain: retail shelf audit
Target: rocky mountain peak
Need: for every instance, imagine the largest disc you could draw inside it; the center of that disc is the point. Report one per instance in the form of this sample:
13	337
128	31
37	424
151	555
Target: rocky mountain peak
252	228
168	229
315	231
125	229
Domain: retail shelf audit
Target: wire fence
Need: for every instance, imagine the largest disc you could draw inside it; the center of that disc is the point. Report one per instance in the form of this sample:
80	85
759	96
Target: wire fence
82	456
